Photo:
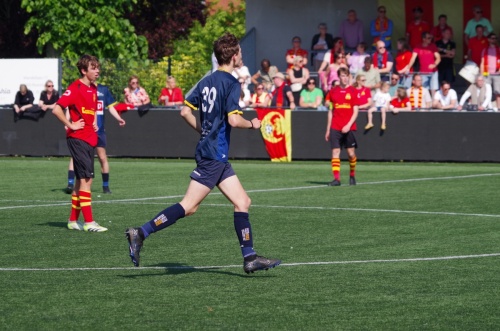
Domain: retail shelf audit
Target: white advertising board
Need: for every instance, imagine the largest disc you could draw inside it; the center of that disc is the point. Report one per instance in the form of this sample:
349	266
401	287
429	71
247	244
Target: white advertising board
32	72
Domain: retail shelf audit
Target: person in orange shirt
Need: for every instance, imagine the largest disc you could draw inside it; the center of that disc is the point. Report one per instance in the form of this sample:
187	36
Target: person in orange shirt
476	45
415	29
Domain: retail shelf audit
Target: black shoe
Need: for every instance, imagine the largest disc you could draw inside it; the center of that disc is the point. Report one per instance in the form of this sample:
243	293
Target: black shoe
257	263
106	190
69	189
135	241
352	180
334	182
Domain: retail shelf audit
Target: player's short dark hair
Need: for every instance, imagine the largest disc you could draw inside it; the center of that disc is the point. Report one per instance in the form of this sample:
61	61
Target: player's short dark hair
87	61
480	26
225	48
343	70
442	16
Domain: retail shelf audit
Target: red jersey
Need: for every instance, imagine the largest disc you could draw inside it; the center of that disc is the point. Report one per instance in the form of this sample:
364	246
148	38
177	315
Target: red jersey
343	100
426	57
296	52
415	31
476	47
402	60
364	94
174	96
396	103
82	103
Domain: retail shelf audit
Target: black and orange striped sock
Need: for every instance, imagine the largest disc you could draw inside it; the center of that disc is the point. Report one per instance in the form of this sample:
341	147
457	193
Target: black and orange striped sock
75	208
352	166
336	168
86	205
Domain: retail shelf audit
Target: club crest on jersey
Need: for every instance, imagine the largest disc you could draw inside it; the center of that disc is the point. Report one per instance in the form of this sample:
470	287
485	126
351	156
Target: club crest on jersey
348	96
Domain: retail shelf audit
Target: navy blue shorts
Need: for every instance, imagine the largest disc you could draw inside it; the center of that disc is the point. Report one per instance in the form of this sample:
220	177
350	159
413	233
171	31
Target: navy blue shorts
345	140
83	158
101	139
211	172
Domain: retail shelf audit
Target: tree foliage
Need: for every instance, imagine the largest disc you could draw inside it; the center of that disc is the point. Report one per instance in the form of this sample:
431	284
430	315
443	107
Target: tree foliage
76	27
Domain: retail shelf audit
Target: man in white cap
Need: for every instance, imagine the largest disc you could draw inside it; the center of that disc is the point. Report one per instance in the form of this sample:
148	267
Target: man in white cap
282	94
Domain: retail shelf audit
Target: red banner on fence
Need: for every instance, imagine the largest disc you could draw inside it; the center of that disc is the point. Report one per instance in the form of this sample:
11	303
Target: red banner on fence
276	131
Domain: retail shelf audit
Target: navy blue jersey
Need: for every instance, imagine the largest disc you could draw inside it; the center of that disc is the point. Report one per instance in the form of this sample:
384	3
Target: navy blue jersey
104	100
216	97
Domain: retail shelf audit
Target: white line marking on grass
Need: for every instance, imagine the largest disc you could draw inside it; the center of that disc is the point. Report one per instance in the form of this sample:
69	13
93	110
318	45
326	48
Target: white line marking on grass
296	264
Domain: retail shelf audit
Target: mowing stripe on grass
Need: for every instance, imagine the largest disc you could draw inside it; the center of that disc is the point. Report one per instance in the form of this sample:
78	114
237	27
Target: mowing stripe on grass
297	264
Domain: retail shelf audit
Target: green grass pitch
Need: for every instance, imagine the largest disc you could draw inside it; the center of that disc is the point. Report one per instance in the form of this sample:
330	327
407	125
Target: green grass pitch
414	246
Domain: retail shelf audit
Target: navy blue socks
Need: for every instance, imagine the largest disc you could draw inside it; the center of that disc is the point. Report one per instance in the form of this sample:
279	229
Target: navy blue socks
244	233
164	219
105	179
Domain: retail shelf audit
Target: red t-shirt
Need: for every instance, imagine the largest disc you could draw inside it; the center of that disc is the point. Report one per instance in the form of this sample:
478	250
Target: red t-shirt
174	96
415	31
343	100
402	60
296	52
437	32
396	103
364	94
426	57
82	103
476	47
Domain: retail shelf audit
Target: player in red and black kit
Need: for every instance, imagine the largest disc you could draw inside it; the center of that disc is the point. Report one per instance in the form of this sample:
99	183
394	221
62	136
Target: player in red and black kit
341	125
81	100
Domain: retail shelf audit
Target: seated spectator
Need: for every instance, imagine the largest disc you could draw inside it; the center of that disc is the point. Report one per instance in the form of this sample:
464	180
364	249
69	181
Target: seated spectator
476	45
364	93
357	59
429	58
419	96
402	62
446	98
321	42
135	94
282	96
400	102
437	31
371	74
446	48
244	73
351	31
394	84
171	95
331	78
261	97
23	104
490	66
298	76
245	97
381	28
311	96
479	94
382	60
48	97
265	75
296	50
381	102
416	28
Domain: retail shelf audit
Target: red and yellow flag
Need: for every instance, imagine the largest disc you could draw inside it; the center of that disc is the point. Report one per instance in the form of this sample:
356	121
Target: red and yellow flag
276	131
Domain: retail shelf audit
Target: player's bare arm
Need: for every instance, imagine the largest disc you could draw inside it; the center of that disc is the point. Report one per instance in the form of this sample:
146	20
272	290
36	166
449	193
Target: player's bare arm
238	121
59	113
328	124
187	115
116	115
354	116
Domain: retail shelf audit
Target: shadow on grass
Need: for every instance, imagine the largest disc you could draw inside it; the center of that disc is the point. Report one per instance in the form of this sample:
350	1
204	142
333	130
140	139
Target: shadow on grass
54	224
317	183
63	190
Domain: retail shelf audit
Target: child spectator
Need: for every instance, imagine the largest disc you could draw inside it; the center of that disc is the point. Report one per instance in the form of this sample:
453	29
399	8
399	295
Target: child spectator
400	102
381	102
364	93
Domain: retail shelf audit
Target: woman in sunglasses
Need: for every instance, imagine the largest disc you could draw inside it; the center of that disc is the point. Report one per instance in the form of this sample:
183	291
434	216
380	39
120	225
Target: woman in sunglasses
48	97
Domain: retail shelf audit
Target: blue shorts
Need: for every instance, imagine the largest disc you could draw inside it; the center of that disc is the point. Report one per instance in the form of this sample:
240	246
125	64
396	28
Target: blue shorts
101	139
211	172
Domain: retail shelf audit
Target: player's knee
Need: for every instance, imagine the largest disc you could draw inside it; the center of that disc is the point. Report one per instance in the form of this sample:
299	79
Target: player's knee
243	204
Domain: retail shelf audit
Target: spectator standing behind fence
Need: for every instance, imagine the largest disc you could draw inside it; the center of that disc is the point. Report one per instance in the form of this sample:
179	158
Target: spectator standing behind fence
311	96
400	102
296	50
490	66
135	94
478	19
446	48
381	102
298	76
446	98
171	95
429	58
321	43
261	97
48	97
402	62
419	96
245	96
476	45
371	74
480	96
357	59
331	78
242	73
437	31
364	93
381	28
265	75
282	96
383	61
416	28
351	31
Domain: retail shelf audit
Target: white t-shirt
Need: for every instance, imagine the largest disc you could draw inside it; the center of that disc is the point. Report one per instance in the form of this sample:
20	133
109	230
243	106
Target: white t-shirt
445	100
242	72
381	99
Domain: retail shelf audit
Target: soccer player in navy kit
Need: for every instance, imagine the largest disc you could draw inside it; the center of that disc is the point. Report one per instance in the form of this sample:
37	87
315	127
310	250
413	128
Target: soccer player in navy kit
216	97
